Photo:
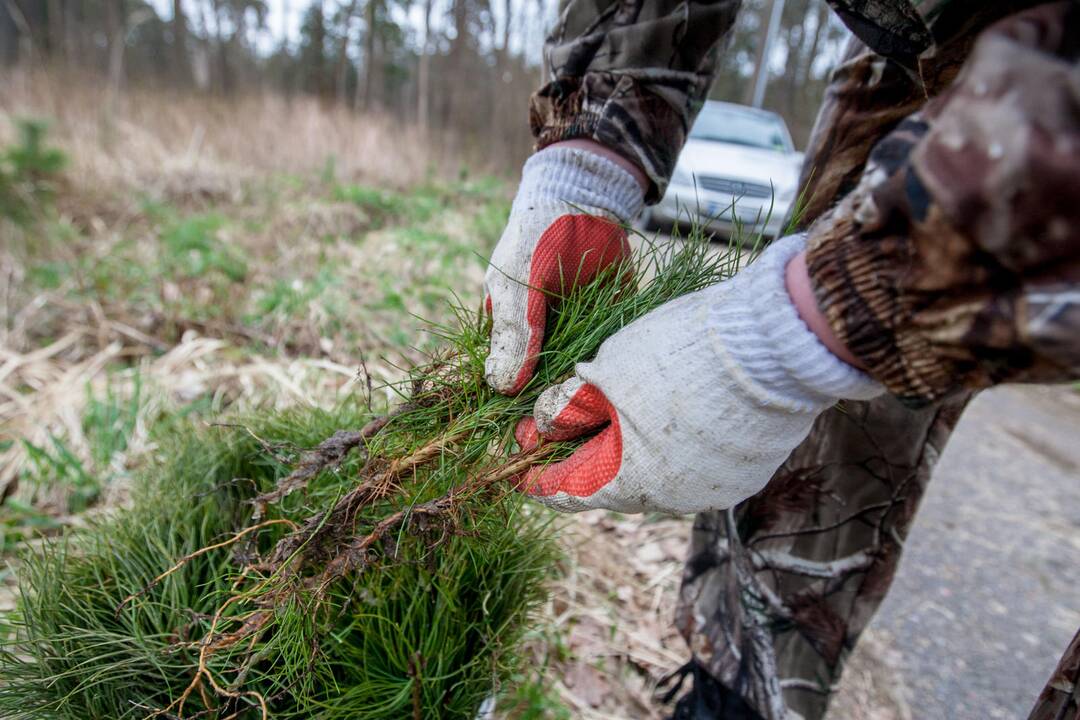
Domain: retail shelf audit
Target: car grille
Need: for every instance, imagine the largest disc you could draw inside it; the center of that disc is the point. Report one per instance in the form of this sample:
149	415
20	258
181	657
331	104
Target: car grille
738	188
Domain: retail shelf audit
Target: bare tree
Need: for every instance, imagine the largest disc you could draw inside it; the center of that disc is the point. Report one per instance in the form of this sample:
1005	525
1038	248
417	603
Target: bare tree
341	71
23	31
54	9
72	34
508	15
815	44
218	13
181	64
797	20
423	102
371	64
116	28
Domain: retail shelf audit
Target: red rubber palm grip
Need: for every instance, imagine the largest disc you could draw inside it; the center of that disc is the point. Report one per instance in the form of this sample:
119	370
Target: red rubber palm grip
572	251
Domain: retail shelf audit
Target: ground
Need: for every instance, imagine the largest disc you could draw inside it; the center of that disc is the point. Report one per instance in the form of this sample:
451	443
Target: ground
162	287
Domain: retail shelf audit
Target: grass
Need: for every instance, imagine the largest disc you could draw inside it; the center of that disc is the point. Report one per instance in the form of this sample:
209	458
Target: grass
109	421
57	468
20	521
181	268
193	248
55	465
279	270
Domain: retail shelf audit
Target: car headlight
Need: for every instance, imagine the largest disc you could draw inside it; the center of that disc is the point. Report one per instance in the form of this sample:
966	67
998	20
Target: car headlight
682	176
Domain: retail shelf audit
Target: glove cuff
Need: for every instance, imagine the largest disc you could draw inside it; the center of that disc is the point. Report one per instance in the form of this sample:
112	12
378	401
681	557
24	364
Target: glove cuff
778	358
579	178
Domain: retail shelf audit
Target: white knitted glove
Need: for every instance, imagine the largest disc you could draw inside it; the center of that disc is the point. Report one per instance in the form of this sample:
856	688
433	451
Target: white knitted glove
566	225
700	401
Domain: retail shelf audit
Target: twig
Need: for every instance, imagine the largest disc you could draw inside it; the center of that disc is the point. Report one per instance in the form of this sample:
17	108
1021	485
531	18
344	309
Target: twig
416	662
264	444
324	526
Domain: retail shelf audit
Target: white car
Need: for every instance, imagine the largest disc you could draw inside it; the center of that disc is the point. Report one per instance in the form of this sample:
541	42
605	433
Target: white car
739	163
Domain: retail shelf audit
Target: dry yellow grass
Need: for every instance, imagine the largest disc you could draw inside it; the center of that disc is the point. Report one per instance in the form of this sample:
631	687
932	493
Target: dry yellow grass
197	144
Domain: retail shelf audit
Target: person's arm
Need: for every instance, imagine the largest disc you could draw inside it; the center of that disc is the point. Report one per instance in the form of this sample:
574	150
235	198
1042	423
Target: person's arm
631	76
628	80
955	263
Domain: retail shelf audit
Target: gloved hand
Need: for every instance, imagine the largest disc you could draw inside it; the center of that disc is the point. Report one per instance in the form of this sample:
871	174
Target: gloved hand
565	227
699	401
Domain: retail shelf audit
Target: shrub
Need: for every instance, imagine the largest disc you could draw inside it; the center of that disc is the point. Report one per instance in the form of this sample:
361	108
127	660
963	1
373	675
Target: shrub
29	171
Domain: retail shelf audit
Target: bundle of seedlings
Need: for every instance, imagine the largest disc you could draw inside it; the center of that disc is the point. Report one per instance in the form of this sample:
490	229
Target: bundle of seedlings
323	564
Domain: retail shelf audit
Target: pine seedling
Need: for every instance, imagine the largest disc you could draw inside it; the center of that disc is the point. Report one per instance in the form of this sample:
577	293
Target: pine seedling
295	566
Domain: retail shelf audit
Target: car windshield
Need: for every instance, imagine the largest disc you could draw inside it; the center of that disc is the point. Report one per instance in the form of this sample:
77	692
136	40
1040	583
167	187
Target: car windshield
720	124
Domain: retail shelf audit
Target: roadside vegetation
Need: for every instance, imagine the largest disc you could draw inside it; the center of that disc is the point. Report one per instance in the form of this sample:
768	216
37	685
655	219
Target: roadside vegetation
276	290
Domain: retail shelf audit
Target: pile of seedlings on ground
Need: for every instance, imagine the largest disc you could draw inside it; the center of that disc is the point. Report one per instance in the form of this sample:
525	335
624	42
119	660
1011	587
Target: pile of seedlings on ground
321	564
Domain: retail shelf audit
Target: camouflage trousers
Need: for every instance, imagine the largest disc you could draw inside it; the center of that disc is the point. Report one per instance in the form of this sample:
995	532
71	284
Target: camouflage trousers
776	591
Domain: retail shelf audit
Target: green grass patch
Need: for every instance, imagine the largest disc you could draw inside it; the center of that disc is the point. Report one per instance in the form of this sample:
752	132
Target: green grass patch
391	298
383	206
20	521
109	421
55	465
291	297
193	249
446	618
108	424
48	275
488	225
380	205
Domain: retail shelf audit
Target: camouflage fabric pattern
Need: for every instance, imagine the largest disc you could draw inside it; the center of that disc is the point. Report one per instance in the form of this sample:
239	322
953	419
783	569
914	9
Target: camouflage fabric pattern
777	590
894	30
868	95
631	75
954	262
1061	698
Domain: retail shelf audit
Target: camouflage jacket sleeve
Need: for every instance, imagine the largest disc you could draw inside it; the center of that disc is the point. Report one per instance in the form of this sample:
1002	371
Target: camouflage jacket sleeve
955	262
632	75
